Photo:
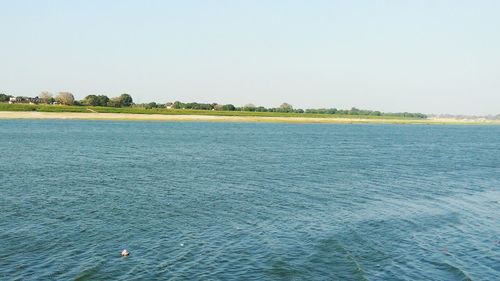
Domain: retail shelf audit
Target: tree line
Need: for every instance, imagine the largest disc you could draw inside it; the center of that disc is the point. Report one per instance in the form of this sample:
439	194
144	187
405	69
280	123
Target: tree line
288	108
67	98
125	100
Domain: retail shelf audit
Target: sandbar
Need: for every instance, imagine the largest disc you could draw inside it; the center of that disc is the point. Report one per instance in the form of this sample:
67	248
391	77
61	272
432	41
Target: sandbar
209	118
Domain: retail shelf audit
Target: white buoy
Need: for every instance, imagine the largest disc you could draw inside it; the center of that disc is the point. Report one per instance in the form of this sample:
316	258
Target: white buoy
125	253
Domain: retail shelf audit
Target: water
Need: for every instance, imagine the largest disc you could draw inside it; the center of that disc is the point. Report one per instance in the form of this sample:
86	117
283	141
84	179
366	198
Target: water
214	201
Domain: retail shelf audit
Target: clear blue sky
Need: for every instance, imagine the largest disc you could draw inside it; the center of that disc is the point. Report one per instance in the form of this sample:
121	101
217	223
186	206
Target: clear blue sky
421	56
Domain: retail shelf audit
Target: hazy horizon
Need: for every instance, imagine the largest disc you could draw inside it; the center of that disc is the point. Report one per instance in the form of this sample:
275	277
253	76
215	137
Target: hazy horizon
393	56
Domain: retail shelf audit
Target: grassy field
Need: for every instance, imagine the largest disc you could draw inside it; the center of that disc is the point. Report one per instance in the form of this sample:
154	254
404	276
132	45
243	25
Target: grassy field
26	111
163	111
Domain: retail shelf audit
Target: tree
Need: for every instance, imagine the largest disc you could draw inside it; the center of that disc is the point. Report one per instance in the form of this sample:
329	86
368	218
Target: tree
228	107
126	100
354	111
114	102
4	97
151	105
218	107
103	100
46	97
178	105
331	111
286	107
91	100
120	101
66	98
249	107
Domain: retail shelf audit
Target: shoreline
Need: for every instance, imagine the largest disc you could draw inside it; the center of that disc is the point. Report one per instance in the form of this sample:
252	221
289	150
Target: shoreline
5	115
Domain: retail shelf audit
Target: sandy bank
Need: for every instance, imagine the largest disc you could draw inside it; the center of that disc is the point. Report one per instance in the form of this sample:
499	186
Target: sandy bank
206	118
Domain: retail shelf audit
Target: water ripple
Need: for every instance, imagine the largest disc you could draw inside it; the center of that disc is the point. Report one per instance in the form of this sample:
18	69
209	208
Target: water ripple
210	201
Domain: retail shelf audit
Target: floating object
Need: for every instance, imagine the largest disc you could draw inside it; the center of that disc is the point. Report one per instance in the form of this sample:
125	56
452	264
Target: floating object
125	253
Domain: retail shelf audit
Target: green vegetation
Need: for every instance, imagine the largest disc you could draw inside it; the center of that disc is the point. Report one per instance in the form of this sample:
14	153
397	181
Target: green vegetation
94	100
144	110
4	98
41	107
65	98
65	102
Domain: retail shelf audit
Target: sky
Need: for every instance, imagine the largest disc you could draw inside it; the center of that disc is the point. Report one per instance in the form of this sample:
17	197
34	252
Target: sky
416	56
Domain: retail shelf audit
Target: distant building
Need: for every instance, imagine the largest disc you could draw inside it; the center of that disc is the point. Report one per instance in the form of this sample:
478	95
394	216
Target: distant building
35	100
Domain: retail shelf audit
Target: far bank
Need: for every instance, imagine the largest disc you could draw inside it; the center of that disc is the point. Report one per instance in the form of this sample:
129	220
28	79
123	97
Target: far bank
212	118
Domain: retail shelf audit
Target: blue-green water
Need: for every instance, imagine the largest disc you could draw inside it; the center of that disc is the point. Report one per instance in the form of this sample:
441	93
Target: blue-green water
228	201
